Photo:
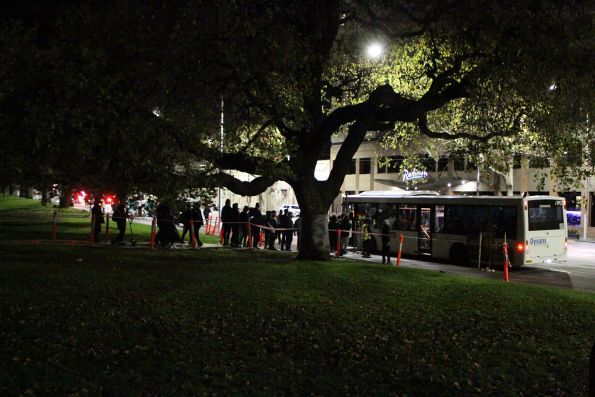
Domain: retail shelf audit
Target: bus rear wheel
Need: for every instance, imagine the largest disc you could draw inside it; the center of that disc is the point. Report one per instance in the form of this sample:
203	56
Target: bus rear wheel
459	255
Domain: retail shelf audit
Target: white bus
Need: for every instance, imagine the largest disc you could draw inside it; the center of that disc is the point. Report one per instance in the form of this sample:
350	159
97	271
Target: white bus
449	227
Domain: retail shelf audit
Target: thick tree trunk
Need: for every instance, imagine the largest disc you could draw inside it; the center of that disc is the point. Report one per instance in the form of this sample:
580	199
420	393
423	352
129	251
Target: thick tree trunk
314	242
65	197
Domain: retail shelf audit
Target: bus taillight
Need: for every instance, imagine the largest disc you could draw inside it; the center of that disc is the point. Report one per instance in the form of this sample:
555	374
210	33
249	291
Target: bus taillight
520	247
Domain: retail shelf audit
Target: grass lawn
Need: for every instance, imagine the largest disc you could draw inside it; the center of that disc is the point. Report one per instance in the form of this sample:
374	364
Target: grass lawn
26	219
115	321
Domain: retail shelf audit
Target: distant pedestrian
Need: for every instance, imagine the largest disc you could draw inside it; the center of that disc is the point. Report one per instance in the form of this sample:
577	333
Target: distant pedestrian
366	237
255	221
167	233
96	219
206	212
120	216
226	218
345	226
287	234
184	219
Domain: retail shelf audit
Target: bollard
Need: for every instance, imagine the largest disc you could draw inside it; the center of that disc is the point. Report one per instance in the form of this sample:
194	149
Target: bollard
93	229
192	239
250	236
400	249
261	238
54	225
153	227
338	242
505	248
208	226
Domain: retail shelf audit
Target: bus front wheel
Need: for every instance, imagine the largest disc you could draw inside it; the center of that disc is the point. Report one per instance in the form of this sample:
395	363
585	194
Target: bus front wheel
459	255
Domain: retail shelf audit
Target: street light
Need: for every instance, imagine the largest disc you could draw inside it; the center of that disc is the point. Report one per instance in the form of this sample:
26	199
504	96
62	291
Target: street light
374	50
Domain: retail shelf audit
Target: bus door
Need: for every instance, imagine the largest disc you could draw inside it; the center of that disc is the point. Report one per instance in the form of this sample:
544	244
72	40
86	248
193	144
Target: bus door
425	218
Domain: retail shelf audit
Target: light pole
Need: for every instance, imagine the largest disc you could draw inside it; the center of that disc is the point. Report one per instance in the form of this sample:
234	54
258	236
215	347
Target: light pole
222	135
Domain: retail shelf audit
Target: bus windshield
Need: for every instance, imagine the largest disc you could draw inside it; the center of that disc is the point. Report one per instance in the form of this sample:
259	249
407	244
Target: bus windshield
545	215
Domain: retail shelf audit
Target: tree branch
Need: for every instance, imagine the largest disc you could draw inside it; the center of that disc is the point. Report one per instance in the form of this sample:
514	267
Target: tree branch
244	188
424	129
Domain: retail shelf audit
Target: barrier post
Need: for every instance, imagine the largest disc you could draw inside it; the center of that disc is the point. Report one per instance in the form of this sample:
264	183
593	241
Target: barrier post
400	249
107	229
249	236
221	233
153	227
338	242
261	238
93	220
208	226
192	239
54	225
505	248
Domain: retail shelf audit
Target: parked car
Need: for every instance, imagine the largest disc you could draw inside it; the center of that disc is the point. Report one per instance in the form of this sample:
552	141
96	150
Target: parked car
293	208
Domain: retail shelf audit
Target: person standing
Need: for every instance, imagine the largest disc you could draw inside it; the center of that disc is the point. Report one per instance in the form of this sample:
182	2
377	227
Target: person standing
284	224
96	219
120	216
385	235
366	237
235	225
167	233
198	221
185	217
226	218
206	212
288	234
255	220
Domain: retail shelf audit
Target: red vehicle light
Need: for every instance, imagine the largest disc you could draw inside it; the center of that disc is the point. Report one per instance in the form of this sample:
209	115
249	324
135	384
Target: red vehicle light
109	199
520	248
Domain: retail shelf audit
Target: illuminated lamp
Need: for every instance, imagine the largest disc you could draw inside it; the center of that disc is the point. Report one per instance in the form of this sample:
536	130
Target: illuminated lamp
520	247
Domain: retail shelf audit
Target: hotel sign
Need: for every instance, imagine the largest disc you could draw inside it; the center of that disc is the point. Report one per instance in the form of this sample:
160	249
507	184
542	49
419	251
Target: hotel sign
414	174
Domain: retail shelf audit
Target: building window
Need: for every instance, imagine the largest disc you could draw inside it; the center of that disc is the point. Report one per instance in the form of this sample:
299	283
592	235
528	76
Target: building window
442	163
365	165
516	162
351	170
459	163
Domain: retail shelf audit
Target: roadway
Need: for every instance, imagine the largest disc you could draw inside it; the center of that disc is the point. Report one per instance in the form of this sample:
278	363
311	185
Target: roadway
577	273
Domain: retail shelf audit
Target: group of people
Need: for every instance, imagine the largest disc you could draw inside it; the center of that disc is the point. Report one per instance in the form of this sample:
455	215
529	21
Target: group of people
277	229
349	225
237	226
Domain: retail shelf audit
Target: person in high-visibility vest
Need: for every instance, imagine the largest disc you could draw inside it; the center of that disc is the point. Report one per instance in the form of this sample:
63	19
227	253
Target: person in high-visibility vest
366	237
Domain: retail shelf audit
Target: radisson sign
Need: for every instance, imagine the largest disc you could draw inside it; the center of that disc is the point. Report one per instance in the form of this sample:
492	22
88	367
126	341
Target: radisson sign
414	174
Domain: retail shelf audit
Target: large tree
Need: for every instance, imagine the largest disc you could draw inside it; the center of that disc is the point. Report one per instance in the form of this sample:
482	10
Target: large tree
294	74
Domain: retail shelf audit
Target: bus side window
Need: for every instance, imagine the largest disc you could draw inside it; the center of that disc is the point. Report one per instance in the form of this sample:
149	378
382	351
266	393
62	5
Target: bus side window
439	218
